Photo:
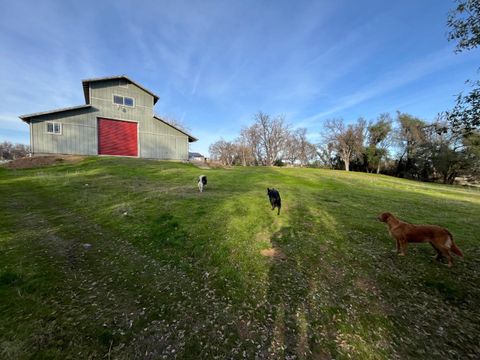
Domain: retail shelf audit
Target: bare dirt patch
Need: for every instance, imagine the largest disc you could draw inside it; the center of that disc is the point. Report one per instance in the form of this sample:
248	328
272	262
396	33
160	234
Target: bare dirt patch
273	253
38	161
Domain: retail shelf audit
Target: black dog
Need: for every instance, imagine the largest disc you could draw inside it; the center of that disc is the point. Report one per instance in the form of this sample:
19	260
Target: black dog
275	200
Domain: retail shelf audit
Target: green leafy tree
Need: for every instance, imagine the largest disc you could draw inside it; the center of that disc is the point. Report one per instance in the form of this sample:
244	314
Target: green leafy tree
378	142
442	155
472	149
410	136
445	154
464	23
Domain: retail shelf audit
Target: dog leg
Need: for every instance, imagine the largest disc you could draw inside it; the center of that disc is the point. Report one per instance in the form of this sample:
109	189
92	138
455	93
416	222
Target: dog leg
449	257
446	253
403	247
450	261
397	243
439	255
278	213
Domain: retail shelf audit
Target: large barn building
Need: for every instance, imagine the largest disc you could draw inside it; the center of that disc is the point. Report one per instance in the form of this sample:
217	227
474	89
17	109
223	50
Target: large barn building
117	119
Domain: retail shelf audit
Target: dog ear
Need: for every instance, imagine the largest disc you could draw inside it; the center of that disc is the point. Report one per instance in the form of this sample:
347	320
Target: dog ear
384	216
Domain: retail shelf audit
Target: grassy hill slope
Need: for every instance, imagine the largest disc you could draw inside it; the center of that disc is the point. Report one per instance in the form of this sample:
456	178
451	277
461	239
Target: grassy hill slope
124	258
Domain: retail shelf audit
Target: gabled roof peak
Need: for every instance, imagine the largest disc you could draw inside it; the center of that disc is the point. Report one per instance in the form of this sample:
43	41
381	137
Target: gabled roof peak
86	88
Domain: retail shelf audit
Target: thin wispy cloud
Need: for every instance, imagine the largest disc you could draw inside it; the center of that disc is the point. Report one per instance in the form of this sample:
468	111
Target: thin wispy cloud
389	81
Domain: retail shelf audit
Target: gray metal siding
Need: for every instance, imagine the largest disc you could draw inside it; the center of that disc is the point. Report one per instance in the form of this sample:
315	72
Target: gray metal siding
79	133
101	96
160	141
157	140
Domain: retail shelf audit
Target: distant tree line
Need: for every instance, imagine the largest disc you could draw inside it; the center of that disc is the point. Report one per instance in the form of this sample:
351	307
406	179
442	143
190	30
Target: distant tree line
10	151
268	141
404	147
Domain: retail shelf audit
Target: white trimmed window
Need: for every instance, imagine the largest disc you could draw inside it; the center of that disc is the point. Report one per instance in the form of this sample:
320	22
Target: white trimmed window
123	100
54	128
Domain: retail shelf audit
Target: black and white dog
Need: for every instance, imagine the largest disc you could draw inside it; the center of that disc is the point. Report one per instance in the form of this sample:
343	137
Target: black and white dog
275	200
202	182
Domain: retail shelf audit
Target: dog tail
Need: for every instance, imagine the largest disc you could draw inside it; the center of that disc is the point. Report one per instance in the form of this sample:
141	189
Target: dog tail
454	248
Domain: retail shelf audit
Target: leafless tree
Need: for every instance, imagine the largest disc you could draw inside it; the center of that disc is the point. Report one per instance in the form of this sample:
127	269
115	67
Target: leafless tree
292	150
298	148
223	151
243	151
266	141
251	137
307	150
347	140
272	134
10	151
326	155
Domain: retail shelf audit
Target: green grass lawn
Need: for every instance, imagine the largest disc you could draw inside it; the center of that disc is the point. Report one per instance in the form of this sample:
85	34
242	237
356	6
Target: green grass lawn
124	258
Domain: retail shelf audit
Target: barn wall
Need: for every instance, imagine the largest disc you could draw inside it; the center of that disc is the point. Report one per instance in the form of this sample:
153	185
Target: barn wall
160	141
101	97
157	140
79	133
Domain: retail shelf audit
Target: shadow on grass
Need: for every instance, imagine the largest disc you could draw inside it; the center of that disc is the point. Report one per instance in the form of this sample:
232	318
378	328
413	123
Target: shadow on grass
318	305
288	309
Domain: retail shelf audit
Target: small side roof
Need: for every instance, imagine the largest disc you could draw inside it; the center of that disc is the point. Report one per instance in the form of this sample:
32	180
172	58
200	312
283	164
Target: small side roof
86	87
190	137
27	117
195	154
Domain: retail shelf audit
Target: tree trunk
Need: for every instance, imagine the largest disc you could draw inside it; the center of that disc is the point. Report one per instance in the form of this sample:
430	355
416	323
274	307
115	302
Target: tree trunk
347	165
378	167
451	178
445	178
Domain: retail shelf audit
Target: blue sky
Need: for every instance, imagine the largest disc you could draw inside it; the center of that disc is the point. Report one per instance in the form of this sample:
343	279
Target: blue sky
214	64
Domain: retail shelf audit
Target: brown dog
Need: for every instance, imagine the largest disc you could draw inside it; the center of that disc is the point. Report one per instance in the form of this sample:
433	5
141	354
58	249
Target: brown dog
440	238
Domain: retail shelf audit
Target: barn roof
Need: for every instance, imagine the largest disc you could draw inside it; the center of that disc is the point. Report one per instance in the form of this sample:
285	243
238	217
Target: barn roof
27	117
86	87
190	137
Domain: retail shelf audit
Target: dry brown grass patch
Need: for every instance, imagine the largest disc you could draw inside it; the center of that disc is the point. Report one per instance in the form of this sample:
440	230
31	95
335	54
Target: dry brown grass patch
37	161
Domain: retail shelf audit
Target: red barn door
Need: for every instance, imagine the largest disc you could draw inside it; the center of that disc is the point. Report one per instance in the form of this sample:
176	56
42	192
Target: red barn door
117	137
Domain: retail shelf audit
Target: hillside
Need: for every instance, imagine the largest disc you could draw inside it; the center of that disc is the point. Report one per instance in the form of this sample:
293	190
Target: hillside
124	258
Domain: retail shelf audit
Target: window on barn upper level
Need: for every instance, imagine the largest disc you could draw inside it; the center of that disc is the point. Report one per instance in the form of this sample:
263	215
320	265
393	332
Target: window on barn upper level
118	99
128	101
54	128
123	100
